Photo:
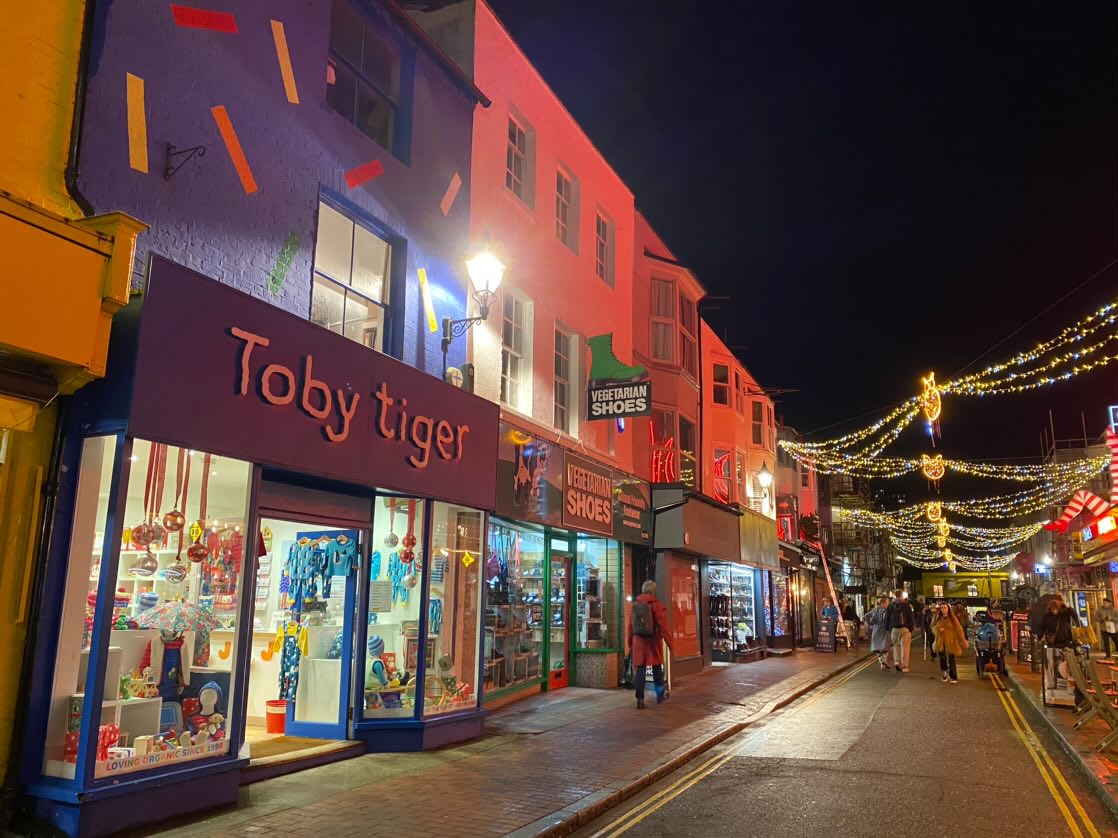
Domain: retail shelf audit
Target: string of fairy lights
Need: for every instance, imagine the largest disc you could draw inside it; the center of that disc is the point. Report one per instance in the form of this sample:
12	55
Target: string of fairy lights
923	534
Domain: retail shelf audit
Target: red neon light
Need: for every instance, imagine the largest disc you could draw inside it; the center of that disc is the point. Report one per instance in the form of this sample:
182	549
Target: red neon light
663	460
721	479
192	18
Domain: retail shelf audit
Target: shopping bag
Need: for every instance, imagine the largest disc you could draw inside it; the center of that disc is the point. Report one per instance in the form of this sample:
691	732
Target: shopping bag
627	672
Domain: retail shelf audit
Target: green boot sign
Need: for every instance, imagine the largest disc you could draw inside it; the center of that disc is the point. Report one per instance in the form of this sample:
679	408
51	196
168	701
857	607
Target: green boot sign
615	390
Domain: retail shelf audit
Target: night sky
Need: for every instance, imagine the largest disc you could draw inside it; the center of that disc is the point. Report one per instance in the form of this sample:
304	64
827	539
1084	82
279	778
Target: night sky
881	188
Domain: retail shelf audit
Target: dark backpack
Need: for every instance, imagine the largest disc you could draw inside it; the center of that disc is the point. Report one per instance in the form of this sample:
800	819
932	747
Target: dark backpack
897	616
644	624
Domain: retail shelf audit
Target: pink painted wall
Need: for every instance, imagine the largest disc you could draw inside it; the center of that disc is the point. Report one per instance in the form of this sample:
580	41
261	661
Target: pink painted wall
560	283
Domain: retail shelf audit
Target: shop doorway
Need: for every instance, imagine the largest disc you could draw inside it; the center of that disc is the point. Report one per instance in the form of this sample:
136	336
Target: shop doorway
559	641
300	670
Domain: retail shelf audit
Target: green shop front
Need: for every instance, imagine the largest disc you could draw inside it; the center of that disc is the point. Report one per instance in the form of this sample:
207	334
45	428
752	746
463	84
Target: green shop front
554	572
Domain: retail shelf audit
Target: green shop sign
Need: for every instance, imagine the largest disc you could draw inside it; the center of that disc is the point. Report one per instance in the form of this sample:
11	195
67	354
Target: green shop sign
615	390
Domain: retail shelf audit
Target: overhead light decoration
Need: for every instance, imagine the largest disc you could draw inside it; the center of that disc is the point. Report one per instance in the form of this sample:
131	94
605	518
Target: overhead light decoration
932	467
935	510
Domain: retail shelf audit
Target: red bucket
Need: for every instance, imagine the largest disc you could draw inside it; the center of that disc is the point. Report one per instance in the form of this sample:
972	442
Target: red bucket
276	717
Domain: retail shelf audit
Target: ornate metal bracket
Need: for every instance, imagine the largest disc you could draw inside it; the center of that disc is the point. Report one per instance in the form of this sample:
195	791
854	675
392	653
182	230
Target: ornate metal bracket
169	165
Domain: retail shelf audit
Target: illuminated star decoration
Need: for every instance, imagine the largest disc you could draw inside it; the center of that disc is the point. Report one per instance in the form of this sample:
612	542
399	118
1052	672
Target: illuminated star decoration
932	467
932	402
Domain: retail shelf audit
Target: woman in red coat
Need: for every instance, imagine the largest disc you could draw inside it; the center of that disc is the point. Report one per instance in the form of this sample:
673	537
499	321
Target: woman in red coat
647	630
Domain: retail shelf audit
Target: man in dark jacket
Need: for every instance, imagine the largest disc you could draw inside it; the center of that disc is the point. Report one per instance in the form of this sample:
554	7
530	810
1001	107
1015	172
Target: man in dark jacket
1056	627
901	621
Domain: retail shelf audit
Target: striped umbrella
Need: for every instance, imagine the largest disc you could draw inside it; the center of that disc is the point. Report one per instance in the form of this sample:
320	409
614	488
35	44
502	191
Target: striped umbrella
177	616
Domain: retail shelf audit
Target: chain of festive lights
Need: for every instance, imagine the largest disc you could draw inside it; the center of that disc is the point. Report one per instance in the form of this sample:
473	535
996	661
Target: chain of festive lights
934	467
1030	370
981	564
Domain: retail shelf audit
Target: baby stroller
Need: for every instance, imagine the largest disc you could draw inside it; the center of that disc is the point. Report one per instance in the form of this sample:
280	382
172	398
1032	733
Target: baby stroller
989	656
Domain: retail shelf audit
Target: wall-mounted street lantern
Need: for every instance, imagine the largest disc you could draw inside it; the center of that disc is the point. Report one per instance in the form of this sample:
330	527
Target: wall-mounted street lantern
486	272
765	477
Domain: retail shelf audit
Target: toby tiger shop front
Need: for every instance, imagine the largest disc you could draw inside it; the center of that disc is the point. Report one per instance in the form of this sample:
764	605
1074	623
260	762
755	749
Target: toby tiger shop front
554	575
271	536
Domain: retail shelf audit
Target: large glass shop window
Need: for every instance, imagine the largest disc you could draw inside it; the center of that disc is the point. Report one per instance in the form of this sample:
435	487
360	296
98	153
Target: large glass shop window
173	605
454	609
733	623
395	598
598	577
515	616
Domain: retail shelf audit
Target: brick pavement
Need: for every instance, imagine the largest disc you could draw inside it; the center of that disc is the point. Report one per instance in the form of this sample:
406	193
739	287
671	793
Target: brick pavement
539	760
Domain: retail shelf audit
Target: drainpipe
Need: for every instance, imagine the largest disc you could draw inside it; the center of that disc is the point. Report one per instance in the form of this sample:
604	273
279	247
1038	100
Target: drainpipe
71	174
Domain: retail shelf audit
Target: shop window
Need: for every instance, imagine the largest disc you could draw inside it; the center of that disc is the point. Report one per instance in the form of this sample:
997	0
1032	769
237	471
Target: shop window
395	599
597	592
685	609
352	279
454	609
516	362
662	317
723	475
733	621
688	336
171	609
721	390
687	442
515	606
363	75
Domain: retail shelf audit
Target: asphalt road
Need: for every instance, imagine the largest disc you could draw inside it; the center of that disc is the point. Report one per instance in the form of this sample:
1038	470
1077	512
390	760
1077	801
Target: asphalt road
879	754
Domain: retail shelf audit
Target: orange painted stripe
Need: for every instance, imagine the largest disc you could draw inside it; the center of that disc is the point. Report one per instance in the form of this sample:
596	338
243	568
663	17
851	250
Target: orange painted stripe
137	125
233	146
451	193
280	37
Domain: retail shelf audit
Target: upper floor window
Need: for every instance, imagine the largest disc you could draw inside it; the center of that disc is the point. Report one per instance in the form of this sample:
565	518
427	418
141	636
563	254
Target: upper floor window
603	248
564	392
770	428
515	344
739	404
352	267
566	209
805	476
363	74
662	311
519	161
721	390
688	336
758	422
723	475
687	444
673	448
739	471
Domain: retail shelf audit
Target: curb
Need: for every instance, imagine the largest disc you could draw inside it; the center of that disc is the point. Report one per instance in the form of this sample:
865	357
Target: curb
570	818
1101	790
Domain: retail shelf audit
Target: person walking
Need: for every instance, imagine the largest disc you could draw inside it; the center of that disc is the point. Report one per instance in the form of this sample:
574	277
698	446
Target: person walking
648	630
1056	626
950	641
852	620
880	640
1106	619
901	624
926	631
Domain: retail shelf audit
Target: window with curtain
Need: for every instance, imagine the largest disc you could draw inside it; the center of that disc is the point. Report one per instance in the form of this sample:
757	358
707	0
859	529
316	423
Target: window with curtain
662	316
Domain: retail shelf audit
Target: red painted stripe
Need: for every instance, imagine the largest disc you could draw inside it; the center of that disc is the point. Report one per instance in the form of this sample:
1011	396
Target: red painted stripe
364	173
204	19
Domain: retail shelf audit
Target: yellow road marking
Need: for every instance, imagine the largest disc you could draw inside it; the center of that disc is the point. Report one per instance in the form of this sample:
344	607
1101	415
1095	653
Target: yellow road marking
657	801
1032	742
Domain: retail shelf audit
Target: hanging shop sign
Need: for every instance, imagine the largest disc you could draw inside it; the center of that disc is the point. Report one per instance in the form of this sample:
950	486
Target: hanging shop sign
615	390
220	371
632	509
587	496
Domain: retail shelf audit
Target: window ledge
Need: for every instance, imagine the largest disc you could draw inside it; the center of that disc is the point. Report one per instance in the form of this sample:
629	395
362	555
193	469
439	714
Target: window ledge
521	204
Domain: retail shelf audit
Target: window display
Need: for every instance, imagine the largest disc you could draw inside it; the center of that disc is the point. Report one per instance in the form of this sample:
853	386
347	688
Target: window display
515	599
173	609
395	598
596	593
453	609
733	622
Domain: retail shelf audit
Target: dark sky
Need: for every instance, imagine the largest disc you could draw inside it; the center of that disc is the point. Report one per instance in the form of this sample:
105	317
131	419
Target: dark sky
883	188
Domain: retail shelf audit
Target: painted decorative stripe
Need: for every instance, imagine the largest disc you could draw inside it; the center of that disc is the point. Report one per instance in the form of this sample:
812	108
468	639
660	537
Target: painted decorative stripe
283	263
280	37
193	18
428	304
233	146
364	173
137	125
451	193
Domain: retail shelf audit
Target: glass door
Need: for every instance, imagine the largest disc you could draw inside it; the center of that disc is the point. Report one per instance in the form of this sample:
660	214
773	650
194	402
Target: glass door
559	649
308	608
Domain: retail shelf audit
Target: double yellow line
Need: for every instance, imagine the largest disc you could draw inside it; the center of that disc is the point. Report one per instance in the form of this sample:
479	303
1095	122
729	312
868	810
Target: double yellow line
666	795
1052	776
